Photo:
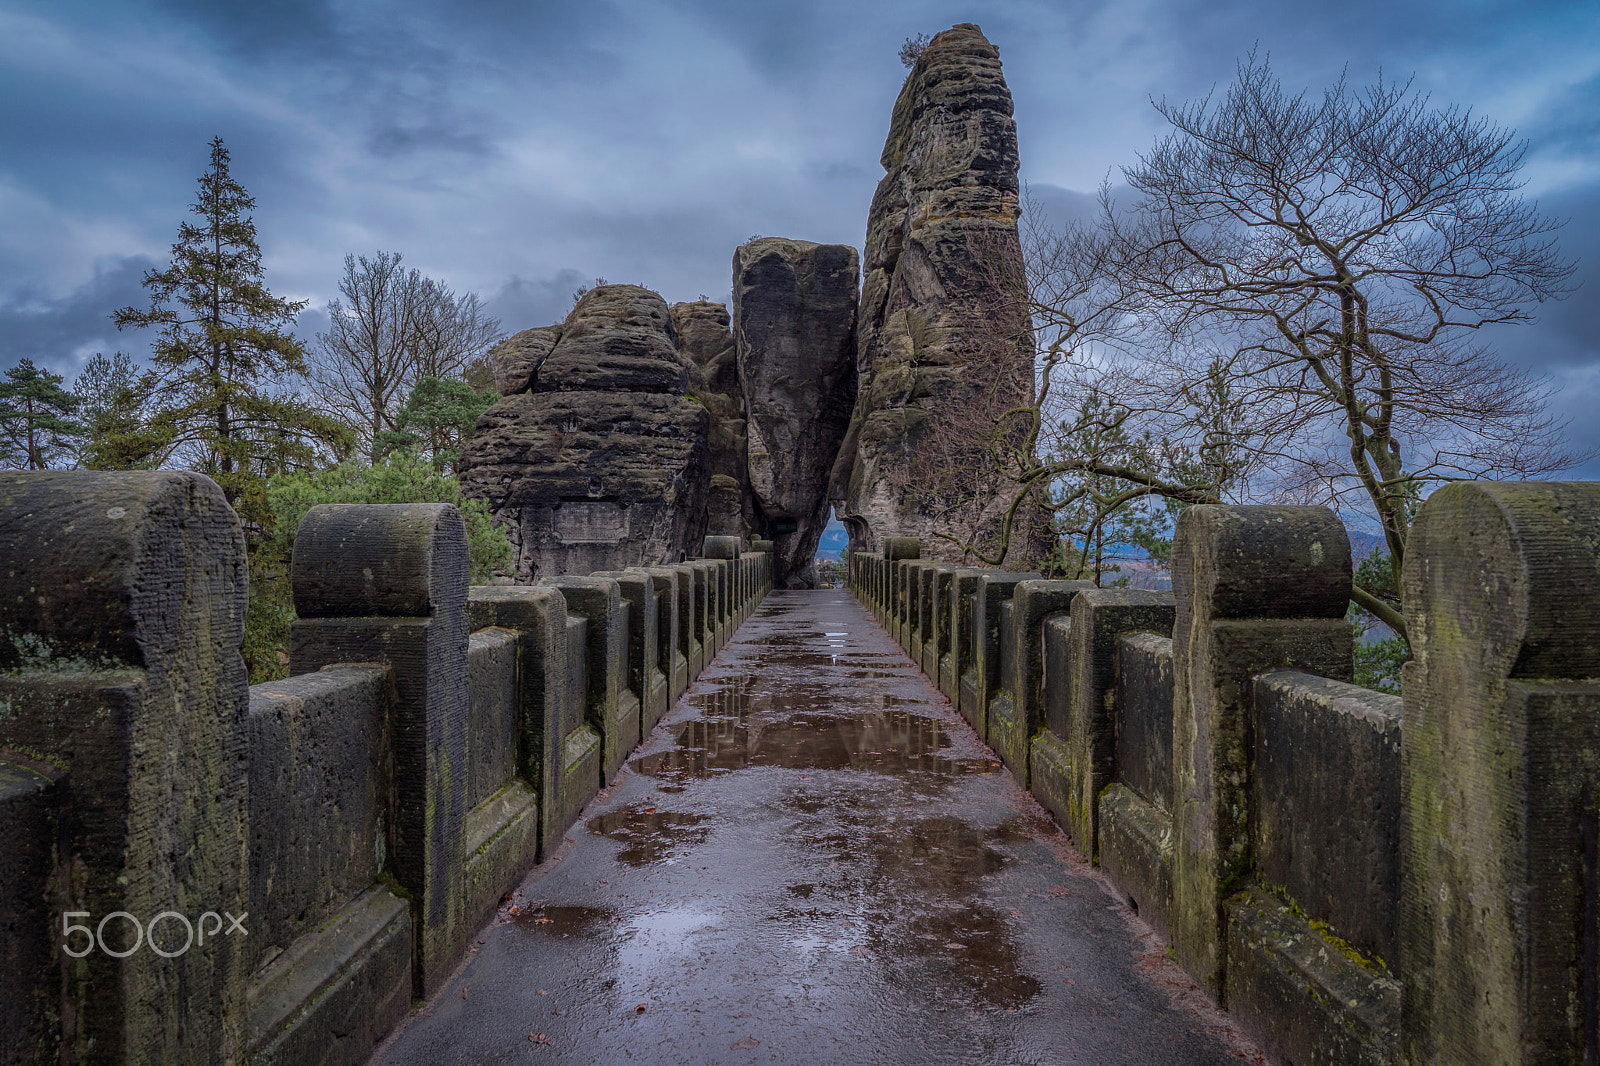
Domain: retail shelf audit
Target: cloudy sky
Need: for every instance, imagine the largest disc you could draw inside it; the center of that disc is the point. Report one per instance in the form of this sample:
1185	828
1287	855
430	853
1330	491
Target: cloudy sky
519	148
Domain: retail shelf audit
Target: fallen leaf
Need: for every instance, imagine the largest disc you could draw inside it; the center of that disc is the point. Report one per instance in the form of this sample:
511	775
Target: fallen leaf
542	992
539	1038
543	921
745	1043
640	1009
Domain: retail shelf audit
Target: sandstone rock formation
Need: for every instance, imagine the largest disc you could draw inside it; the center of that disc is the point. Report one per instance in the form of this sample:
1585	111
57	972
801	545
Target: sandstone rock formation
596	459
705	338
794	318
943	344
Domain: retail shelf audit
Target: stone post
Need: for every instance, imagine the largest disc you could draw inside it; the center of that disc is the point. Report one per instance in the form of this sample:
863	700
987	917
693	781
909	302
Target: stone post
613	709
912	627
668	630
936	611
1500	754
957	659
729	550
1081	674
1016	713
690	623
1254	588
122	605
896	549
645	677
982	680
539	618
388	583
705	606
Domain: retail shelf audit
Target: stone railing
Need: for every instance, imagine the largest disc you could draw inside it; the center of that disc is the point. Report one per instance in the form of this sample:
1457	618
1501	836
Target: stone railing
1357	877
200	871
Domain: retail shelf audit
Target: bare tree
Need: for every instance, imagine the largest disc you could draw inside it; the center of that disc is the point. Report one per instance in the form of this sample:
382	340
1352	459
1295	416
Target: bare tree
392	328
1343	254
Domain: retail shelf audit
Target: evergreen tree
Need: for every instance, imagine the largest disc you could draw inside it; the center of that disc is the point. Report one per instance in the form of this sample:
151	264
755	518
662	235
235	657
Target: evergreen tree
225	355
438	420
116	431
36	426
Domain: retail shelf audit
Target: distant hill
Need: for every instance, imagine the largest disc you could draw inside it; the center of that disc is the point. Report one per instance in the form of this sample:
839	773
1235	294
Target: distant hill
835	540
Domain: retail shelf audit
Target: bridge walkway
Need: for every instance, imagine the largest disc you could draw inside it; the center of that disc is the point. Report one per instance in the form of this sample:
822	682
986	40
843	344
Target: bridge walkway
813	859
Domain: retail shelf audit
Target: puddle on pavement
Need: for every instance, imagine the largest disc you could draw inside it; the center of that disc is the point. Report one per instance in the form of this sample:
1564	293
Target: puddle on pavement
939	856
563	921
927	879
975	943
888	742
650	835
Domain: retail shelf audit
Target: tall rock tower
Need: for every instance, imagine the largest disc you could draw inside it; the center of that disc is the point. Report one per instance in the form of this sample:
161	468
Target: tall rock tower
794	321
942	338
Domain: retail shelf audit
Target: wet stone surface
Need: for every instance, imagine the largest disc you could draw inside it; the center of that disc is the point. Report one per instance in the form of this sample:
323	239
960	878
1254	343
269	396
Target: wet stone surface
812	860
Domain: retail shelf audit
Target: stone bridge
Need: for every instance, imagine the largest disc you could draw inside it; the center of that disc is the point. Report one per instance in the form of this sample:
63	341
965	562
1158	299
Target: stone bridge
659	814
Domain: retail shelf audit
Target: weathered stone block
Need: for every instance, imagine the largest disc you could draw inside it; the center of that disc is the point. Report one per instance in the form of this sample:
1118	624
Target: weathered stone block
499	842
669	636
994	588
122	604
901	548
645	678
338	990
1255	588
613	710
691	621
956	661
320	788
582	769
1081	688
1022	667
548	712
936	639
493	718
387	583
1144	716
1501	757
30	1008
1325	786
1295	990
1135	851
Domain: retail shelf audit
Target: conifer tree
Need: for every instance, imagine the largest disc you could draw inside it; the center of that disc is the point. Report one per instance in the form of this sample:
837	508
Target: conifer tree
36	424
225	356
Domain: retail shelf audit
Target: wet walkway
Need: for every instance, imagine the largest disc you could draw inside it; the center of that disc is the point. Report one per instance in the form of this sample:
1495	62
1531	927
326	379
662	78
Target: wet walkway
814	860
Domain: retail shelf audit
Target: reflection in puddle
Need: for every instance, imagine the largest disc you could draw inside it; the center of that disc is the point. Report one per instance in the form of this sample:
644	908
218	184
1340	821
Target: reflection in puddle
942	862
975	943
562	921
650	835
889	742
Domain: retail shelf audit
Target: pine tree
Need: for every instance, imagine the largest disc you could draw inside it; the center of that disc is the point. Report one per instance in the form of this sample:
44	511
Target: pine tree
116	429
225	353
36	424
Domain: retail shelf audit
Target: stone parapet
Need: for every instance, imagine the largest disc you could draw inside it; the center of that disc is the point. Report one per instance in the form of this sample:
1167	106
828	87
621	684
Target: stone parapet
362	817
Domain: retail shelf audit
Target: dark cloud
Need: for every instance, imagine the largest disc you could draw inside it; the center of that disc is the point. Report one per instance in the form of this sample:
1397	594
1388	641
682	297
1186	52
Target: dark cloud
275	26
502	145
62	332
522	304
